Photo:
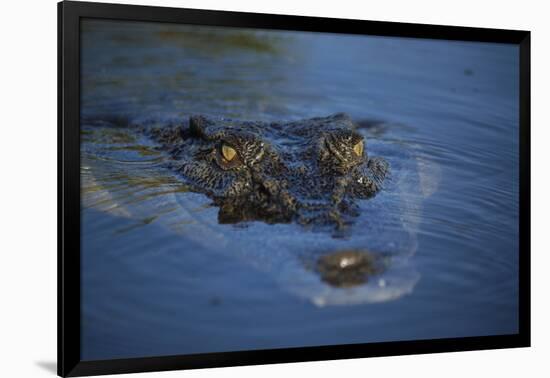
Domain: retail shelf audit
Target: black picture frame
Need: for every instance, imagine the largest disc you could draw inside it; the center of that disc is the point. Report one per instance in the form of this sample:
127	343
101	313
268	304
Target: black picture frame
69	327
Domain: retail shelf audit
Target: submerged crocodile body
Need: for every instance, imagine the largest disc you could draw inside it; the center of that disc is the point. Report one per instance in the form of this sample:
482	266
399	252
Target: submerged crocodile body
310	171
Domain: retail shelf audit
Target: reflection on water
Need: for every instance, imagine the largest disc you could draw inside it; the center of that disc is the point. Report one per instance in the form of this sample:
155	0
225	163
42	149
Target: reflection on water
433	255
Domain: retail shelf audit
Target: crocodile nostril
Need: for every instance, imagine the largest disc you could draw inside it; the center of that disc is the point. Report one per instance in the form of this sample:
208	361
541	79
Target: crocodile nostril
348	267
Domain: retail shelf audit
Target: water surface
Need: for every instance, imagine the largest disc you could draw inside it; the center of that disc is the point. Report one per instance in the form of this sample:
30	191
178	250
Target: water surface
160	276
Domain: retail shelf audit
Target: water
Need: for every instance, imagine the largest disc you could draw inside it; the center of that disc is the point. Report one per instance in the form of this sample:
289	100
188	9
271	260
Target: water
160	276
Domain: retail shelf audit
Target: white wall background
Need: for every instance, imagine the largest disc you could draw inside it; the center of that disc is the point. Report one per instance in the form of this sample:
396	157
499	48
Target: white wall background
28	186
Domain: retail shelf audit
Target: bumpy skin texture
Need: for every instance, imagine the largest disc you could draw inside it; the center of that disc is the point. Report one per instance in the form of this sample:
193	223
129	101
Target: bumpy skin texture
306	171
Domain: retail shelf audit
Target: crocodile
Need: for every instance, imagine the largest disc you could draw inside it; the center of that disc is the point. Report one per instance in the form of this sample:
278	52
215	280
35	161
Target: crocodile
293	199
310	171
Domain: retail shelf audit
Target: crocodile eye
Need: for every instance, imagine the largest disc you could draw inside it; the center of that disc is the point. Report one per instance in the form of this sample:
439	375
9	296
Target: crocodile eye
228	152
358	148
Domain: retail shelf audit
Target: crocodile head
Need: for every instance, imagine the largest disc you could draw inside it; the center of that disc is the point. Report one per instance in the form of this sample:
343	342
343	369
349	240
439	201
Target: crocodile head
311	171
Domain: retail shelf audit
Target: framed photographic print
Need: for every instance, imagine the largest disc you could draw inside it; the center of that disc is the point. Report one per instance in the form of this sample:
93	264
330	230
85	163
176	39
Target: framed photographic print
239	188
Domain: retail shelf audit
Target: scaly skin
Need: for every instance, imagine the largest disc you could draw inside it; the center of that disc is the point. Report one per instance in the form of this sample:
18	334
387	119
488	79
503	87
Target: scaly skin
311	171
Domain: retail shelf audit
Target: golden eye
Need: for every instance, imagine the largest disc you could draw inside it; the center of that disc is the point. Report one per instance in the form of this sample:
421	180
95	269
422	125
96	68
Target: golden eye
358	148
228	152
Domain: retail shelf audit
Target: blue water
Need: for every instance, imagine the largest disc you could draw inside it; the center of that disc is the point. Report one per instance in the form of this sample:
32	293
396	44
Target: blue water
161	277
